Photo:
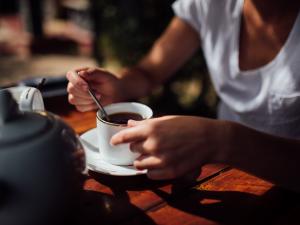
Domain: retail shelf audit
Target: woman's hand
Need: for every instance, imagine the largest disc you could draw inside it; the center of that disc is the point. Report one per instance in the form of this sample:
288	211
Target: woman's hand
172	146
105	85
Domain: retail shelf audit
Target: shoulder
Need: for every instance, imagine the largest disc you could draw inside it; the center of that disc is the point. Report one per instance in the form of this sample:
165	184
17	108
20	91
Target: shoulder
203	12
208	6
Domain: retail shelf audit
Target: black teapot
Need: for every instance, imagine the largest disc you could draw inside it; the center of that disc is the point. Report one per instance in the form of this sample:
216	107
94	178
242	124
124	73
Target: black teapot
41	161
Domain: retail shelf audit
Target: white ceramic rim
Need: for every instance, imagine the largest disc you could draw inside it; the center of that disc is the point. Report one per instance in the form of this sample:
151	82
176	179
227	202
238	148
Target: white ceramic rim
147	108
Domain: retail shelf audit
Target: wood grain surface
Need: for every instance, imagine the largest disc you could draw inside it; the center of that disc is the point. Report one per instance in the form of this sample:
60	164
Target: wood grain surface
217	195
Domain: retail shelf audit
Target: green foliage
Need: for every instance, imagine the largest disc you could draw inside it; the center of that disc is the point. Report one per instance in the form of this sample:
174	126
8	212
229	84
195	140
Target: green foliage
131	26
127	29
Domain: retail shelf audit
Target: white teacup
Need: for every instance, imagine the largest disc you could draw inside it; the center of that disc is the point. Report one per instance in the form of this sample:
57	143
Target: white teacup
120	154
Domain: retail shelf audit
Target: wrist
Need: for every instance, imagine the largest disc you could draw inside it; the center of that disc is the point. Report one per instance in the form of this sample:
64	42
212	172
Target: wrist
136	82
122	93
225	141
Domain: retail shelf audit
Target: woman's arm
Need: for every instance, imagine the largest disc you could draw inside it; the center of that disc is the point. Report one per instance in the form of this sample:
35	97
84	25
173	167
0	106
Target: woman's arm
172	146
176	45
273	158
170	51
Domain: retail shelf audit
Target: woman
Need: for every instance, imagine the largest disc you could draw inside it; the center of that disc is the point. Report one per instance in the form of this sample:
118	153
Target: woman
253	57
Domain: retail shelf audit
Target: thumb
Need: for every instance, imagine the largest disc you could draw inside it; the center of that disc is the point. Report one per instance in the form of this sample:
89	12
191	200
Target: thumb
133	123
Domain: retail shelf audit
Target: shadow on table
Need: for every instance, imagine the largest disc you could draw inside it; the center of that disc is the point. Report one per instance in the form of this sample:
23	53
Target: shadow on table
232	207
116	208
119	184
100	208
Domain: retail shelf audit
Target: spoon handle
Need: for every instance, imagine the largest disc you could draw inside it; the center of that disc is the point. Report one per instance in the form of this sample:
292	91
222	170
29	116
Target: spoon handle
92	94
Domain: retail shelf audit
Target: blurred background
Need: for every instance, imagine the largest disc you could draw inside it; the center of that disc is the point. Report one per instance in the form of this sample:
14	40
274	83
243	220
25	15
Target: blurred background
46	38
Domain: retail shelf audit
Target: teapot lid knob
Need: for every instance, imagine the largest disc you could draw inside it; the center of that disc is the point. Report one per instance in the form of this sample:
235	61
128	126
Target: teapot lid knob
9	109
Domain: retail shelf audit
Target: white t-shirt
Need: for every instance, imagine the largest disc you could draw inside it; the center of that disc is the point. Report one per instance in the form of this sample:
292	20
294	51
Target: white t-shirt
266	98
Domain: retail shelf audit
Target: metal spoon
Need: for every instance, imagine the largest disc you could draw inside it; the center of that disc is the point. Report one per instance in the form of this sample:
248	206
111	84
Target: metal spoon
98	103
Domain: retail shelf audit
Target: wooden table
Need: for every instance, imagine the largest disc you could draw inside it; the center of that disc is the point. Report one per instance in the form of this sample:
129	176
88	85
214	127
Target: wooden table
220	195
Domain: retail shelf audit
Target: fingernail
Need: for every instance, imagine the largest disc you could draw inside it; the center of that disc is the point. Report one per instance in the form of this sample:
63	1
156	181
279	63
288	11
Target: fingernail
111	142
132	122
68	74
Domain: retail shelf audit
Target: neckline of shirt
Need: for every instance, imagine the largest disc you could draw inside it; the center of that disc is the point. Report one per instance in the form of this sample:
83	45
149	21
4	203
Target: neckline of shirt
286	46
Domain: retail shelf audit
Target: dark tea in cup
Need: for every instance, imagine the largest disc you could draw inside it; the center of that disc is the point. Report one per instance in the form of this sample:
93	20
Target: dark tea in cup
123	117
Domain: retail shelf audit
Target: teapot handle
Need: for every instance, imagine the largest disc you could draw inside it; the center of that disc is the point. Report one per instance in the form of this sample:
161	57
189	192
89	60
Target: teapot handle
31	100
28	98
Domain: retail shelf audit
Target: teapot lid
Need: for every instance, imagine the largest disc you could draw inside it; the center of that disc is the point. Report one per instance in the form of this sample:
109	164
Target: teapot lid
17	127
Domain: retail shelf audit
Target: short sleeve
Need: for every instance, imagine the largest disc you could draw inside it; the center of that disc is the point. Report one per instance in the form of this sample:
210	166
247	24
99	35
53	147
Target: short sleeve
190	12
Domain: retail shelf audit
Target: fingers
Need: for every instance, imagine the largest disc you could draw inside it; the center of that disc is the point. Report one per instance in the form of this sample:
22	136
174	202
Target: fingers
82	79
161	167
77	81
137	147
78	94
145	146
82	104
133	123
133	134
81	69
71	89
79	101
149	162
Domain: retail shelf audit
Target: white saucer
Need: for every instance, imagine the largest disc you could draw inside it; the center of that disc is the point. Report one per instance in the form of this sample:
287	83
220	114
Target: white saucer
95	163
